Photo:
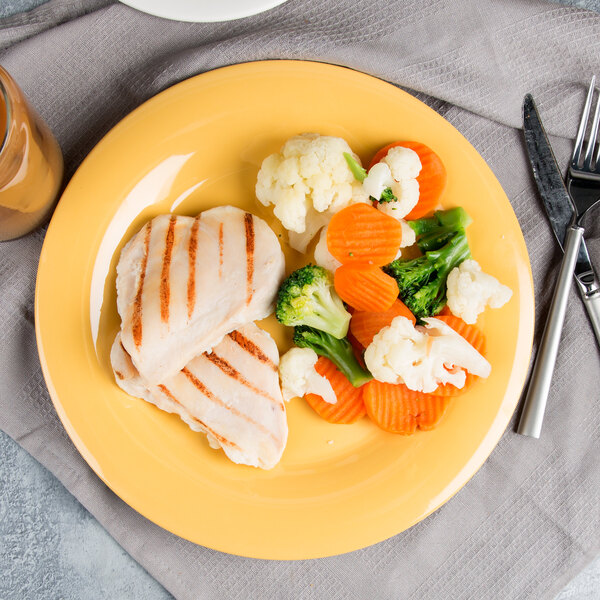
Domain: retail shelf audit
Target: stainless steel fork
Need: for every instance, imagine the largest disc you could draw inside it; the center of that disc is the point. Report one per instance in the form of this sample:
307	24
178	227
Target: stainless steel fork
583	179
583	183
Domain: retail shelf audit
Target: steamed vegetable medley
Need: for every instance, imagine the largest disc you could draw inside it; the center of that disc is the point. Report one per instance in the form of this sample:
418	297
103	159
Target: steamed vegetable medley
385	321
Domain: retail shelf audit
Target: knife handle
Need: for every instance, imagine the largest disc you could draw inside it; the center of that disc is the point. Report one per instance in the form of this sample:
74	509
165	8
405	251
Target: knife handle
539	385
590	293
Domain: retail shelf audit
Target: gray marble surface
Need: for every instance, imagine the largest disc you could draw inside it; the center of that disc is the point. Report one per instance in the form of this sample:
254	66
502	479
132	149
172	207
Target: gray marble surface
51	547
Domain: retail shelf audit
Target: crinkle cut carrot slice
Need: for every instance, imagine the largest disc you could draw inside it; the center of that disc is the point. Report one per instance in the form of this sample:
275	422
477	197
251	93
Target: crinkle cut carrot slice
365	325
349	406
360	233
365	287
395	408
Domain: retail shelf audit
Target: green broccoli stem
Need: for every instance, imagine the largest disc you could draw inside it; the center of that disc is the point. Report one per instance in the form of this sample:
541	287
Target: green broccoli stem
455	251
338	351
434	232
453	219
422	281
435	239
359	172
431	298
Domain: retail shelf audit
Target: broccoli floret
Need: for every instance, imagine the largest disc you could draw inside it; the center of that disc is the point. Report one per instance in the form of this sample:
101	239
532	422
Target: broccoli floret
422	281
411	275
386	196
307	297
338	351
434	232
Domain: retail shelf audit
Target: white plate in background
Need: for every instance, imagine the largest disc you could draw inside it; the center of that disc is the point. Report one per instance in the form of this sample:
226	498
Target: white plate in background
202	11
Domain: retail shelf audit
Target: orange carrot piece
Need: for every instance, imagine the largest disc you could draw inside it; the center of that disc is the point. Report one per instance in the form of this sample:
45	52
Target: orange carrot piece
397	409
445	312
475	338
431	410
349	406
360	233
365	287
364	326
432	178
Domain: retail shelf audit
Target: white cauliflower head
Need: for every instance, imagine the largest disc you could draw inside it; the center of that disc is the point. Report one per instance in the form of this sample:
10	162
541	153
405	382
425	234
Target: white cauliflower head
408	235
397	171
310	175
299	376
407	192
470	290
404	163
423	357
323	257
408	238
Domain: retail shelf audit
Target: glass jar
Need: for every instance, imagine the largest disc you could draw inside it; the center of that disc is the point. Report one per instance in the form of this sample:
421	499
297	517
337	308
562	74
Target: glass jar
31	164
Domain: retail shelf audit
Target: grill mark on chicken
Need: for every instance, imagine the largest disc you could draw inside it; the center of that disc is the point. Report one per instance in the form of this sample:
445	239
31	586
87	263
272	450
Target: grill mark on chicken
232	372
218	437
220	250
165	284
192	249
249	226
204	390
251	348
136	319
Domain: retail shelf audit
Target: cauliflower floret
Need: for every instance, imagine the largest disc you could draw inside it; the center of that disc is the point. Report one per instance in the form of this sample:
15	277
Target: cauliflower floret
299	376
404	163
398	172
407	192
309	176
378	179
470	290
323	257
423	357
314	221
408	235
408	238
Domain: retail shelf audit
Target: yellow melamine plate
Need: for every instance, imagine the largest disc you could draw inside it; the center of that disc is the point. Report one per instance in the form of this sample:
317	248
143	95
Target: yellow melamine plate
200	144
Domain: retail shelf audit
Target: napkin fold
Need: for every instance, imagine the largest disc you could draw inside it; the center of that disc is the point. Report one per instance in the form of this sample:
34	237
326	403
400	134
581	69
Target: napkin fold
530	518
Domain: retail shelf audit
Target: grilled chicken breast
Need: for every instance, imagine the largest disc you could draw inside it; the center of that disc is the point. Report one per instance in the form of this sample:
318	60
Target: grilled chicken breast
232	394
184	282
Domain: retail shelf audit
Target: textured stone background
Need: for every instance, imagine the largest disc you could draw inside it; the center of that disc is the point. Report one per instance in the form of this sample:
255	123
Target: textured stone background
51	547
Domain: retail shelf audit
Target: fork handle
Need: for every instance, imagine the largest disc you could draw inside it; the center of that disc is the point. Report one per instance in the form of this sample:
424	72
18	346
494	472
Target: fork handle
539	385
590	293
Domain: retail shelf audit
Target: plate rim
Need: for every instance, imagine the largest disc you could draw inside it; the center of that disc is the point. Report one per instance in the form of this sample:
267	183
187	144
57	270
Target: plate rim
195	13
494	433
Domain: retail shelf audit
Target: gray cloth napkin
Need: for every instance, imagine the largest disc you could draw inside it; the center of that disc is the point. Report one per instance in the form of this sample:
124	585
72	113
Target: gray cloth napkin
530	518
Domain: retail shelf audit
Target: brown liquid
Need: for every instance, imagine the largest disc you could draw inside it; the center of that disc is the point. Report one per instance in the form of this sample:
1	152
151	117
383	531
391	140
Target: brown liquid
31	166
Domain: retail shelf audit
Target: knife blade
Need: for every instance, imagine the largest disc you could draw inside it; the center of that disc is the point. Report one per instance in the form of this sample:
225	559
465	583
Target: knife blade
557	201
559	205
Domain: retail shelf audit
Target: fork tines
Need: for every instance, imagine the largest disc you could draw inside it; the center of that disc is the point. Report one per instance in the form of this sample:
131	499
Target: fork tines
591	159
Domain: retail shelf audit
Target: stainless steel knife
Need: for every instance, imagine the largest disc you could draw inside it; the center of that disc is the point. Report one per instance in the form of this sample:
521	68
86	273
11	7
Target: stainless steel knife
561	209
560	215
